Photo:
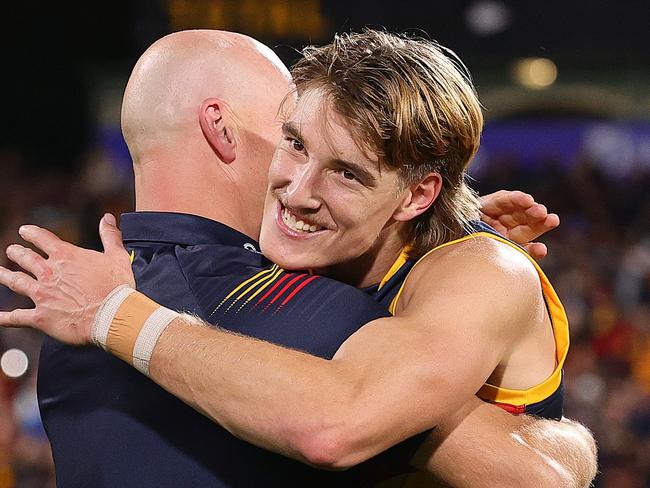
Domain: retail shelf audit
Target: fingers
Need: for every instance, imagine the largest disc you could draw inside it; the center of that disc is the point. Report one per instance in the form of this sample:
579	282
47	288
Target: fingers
520	199
27	259
552	221
18	282
491	221
43	239
505	201
20	317
537	250
509	221
110	235
536	218
536	212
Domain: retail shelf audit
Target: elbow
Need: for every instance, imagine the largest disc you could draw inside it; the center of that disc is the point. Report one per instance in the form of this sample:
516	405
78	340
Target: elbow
574	458
551	475
330	448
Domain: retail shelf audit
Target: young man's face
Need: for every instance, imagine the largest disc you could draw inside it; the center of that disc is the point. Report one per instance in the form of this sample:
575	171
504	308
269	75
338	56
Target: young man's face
328	202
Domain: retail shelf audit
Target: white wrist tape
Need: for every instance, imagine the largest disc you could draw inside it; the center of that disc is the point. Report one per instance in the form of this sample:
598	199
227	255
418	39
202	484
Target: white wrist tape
106	313
129	324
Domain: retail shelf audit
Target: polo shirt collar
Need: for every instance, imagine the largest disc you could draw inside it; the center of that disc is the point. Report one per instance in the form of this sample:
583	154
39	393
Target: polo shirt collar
179	228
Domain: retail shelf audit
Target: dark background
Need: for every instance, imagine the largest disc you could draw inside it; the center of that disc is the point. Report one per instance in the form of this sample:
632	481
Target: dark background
50	49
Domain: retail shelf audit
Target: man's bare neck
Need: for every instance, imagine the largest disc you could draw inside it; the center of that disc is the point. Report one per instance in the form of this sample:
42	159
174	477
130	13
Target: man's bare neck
369	268
167	191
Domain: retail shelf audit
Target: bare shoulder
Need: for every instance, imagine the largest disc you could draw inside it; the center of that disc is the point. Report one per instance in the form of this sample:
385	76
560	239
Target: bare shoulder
479	271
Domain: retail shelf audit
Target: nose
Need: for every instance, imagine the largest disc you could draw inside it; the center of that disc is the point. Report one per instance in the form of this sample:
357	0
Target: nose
302	189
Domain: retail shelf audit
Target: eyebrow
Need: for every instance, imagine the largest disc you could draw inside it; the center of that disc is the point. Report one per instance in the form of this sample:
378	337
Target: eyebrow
289	128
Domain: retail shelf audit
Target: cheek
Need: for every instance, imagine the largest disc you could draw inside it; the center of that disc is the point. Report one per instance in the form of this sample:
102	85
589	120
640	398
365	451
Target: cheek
281	169
268	217
357	213
364	222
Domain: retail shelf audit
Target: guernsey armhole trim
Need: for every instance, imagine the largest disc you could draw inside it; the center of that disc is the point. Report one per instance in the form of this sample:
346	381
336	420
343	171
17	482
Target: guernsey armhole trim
559	323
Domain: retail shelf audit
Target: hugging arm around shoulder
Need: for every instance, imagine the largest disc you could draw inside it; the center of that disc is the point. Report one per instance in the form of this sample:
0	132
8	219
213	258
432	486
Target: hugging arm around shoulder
338	413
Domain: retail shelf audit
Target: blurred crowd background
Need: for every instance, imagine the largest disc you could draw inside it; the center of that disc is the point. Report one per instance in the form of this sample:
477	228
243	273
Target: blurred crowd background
566	92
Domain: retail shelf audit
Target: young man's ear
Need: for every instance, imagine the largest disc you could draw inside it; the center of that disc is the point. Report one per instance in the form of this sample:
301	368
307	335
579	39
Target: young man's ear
217	128
419	197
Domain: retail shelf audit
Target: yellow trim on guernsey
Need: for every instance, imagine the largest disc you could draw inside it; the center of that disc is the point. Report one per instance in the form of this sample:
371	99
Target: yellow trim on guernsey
557	315
259	276
269	280
401	261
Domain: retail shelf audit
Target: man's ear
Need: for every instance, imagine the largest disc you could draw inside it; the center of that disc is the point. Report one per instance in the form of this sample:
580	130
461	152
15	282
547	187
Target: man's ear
217	129
419	197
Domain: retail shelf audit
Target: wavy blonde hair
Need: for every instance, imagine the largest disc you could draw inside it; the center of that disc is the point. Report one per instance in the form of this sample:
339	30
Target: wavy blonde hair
411	102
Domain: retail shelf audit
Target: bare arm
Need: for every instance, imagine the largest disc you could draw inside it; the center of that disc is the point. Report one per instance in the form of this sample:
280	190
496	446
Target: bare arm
330	413
392	379
467	448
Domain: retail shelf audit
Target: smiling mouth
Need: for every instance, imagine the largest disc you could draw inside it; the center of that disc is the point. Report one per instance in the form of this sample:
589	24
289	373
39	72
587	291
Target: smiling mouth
296	224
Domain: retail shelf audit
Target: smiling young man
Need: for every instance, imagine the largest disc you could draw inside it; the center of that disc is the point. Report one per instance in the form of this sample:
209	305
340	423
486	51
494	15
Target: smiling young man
368	186
394	378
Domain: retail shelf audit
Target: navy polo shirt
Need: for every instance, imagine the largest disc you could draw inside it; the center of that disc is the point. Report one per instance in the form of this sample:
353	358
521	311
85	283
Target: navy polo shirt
110	426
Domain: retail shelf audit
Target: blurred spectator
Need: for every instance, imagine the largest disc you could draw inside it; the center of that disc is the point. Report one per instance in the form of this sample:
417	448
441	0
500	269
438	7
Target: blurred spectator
71	206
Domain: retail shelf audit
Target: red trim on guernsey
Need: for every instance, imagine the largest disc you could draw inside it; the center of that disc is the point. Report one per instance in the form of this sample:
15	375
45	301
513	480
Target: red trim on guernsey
298	288
513	409
273	288
286	287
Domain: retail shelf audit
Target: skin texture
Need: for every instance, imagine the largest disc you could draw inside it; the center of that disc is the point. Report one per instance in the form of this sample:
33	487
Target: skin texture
321	177
221	160
515	214
195	135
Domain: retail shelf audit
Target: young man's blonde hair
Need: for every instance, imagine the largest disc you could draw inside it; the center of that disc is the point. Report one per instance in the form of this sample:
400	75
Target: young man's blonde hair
411	102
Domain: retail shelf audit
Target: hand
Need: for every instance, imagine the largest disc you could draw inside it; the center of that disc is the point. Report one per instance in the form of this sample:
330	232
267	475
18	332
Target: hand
518	217
69	285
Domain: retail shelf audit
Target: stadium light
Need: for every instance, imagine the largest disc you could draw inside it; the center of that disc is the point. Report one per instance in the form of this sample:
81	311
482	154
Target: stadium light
535	73
14	363
487	17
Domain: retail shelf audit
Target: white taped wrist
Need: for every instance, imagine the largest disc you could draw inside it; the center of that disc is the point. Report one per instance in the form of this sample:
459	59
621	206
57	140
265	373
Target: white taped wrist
106	314
128	324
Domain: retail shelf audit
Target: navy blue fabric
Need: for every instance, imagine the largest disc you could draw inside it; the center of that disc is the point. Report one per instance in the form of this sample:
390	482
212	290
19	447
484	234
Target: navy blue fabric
110	426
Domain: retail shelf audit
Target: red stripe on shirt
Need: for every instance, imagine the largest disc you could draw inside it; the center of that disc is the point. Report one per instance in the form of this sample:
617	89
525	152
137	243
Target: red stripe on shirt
298	288
273	288
286	287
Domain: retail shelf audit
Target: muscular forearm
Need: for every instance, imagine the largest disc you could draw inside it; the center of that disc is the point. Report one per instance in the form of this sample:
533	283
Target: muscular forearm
567	443
279	399
483	446
333	413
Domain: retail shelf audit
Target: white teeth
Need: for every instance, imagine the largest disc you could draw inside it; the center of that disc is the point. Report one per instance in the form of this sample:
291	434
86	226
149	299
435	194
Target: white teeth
290	220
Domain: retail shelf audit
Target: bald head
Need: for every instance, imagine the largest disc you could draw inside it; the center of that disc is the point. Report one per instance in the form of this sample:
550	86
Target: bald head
177	73
200	118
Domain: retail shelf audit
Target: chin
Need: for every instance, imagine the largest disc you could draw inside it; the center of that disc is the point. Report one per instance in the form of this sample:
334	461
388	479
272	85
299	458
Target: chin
283	258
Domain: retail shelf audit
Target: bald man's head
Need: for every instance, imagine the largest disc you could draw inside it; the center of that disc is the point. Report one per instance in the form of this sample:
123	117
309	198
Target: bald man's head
179	72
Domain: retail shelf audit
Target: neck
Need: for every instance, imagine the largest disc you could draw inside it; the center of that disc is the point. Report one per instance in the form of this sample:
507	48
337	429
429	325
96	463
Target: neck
162	186
369	268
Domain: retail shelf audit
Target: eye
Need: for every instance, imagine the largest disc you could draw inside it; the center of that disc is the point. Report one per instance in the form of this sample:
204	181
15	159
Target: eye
348	175
296	145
